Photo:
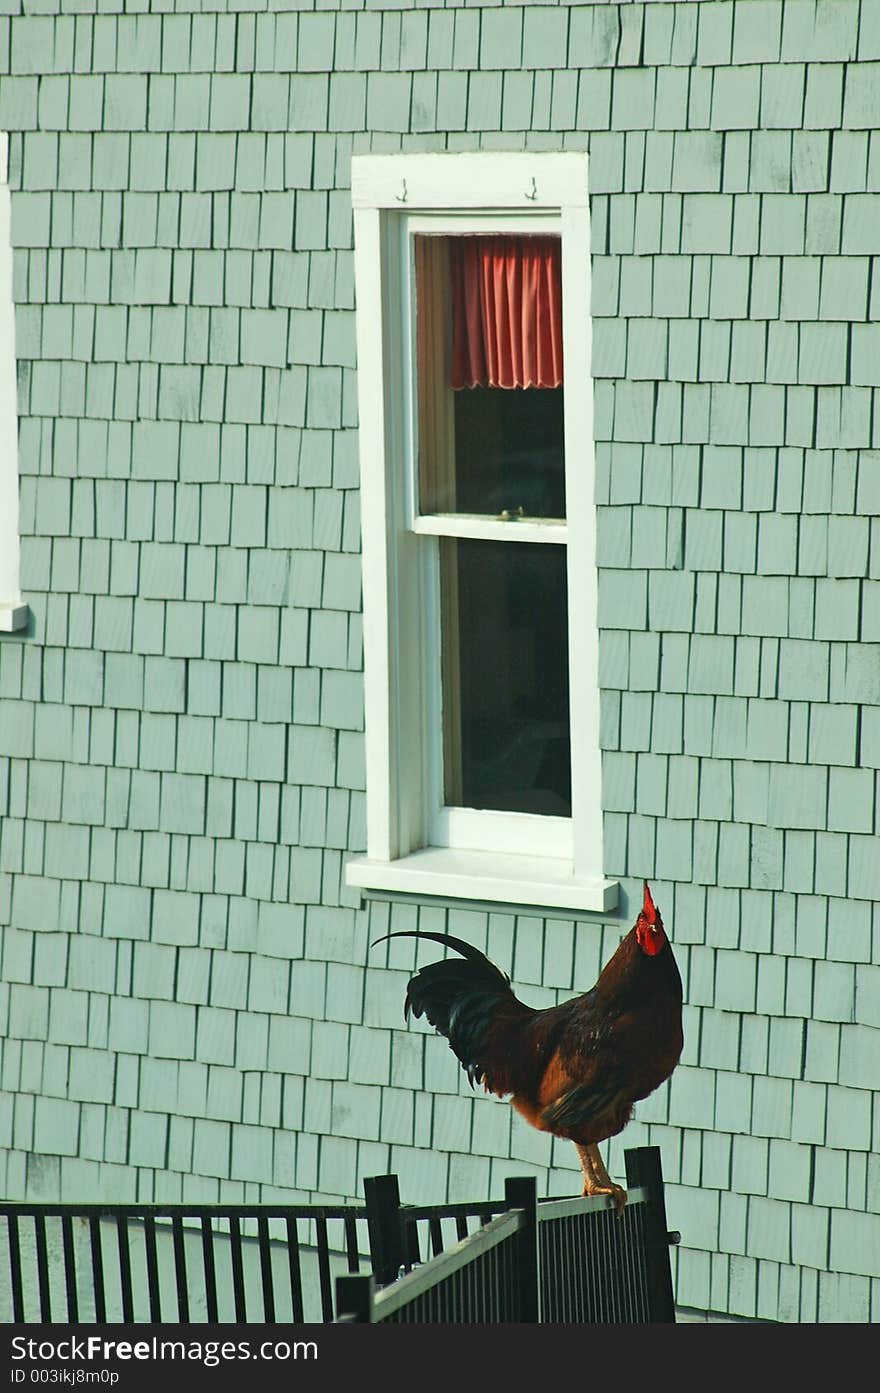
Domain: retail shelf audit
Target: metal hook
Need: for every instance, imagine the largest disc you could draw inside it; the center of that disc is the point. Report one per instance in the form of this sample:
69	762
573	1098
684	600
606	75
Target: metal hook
401	197
533	191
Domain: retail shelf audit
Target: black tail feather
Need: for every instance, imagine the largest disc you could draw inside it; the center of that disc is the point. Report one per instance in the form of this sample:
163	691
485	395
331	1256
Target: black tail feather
467	950
457	996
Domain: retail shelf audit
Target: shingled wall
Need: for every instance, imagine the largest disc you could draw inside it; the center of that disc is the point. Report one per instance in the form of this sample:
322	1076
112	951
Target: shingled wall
189	1003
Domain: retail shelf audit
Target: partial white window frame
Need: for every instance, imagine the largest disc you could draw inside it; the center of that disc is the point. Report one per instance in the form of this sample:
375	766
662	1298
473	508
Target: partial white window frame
13	613
394	195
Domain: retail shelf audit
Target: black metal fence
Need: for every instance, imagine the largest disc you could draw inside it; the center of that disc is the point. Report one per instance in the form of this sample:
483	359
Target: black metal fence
554	1261
181	1263
513	1259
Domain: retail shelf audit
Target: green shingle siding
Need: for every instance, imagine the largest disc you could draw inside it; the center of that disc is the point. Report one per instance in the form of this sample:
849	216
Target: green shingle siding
181	738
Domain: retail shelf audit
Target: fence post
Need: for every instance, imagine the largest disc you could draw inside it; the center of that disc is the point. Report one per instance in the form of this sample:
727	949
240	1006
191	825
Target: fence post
643	1168
354	1297
521	1192
387	1252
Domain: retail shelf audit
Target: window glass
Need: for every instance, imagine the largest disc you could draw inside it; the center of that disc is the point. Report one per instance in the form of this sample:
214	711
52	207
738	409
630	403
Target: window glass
506	742
509	455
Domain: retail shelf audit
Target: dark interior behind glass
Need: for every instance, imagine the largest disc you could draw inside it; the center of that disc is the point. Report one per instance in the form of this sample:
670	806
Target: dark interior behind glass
509	451
505	676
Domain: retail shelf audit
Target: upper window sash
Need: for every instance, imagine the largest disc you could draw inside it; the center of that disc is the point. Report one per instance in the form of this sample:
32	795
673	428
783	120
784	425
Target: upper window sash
457	524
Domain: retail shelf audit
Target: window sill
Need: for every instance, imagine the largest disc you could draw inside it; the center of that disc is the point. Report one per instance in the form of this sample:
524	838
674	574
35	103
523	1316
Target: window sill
485	877
13	617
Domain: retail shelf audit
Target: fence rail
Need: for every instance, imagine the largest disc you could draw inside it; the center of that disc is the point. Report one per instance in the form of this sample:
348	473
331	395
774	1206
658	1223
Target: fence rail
473	1281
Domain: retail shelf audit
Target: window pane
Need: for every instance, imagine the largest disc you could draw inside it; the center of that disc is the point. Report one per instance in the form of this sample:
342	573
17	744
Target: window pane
509	451
506	742
482	449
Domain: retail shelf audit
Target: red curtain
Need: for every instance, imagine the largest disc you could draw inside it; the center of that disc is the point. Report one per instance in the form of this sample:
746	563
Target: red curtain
506	311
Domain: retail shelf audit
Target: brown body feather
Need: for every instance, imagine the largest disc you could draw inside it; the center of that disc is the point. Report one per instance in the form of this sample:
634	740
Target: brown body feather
602	1051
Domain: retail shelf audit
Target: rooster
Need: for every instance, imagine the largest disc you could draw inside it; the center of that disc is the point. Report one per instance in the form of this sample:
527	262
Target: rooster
574	1070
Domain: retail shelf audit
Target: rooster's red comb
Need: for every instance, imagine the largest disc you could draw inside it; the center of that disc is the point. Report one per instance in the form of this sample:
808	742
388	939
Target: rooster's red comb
650	909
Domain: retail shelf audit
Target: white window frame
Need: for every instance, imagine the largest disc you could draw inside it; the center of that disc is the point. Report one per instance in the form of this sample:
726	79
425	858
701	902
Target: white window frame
478	855
13	613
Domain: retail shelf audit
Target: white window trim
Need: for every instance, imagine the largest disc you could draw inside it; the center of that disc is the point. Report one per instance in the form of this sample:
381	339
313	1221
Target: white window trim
13	613
395	580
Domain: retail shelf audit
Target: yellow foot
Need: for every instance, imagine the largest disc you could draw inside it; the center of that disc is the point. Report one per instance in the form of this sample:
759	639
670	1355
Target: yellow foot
617	1193
597	1181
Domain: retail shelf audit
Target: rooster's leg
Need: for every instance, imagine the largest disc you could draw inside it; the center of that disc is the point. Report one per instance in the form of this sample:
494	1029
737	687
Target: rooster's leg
597	1181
